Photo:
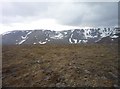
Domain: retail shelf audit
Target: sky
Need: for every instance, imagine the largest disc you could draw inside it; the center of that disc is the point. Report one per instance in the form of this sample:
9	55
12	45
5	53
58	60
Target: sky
61	15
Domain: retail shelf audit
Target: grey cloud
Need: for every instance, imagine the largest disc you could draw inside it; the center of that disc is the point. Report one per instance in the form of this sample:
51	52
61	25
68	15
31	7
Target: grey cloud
75	14
23	8
94	14
19	11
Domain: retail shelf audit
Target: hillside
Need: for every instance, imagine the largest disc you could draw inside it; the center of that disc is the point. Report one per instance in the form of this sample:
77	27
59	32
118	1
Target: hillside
72	36
60	65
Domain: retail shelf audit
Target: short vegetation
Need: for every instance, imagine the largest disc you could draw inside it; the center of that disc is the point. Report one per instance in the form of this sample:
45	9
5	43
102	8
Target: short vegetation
93	65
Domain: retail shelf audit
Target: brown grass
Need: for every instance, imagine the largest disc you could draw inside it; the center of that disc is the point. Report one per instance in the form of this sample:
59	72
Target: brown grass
60	65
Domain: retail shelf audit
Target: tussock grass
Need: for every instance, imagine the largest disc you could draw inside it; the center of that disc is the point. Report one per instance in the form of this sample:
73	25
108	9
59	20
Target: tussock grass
93	65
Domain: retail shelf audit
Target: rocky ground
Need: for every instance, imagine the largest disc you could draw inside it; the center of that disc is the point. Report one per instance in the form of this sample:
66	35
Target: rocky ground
60	65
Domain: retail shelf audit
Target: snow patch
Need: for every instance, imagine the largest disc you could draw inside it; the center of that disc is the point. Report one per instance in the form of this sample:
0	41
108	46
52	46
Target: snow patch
85	41
95	36
65	33
72	30
26	35
98	40
46	39
21	42
114	36
70	38
6	33
27	31
42	42
58	36
34	43
75	40
112	39
80	41
106	33
87	33
24	38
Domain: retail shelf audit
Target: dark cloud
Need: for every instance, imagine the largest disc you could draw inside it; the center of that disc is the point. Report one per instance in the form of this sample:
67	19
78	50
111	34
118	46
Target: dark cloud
91	14
73	14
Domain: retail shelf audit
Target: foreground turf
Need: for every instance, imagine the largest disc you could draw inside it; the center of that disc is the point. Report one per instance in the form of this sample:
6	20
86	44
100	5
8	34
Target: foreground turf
60	65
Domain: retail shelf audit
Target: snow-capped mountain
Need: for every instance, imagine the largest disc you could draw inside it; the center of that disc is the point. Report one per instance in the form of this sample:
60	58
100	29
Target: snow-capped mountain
73	36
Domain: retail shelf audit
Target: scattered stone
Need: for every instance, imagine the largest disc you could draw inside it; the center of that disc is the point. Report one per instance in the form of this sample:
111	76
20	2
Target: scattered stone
115	85
38	61
102	55
103	77
59	85
113	75
47	78
61	71
86	71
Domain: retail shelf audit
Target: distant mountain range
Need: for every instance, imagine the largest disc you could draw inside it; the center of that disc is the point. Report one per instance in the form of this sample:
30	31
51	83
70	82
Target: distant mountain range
73	36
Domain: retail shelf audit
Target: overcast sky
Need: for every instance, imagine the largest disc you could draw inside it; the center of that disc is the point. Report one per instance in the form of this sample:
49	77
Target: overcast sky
57	15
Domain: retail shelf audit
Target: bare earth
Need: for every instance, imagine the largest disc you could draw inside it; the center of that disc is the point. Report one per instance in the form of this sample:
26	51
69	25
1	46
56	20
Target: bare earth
60	65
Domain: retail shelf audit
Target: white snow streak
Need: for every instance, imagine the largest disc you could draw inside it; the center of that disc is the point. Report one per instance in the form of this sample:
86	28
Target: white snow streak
58	36
42	42
24	38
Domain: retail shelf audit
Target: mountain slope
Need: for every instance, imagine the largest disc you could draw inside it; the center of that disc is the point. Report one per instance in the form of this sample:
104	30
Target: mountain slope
74	36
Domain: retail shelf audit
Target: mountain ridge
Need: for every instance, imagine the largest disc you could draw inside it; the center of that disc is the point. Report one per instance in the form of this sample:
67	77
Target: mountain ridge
72	36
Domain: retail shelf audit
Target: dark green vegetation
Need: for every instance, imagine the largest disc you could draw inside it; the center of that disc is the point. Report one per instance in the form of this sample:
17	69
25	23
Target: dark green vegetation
60	65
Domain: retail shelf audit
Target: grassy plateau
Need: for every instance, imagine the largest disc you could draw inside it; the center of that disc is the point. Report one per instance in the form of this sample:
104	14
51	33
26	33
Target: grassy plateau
80	65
